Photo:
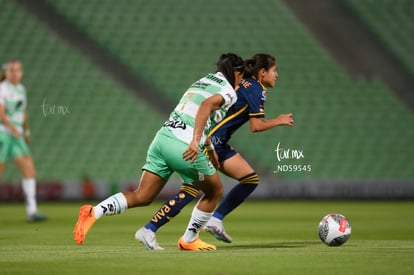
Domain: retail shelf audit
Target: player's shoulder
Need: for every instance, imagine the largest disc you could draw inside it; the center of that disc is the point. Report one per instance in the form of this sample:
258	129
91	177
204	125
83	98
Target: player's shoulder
215	78
229	94
3	87
251	87
250	84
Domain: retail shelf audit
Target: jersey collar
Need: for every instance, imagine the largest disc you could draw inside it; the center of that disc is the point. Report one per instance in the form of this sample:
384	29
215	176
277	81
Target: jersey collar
263	86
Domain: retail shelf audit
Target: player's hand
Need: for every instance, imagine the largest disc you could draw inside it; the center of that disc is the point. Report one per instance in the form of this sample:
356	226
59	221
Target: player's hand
192	152
286	120
27	139
213	157
15	133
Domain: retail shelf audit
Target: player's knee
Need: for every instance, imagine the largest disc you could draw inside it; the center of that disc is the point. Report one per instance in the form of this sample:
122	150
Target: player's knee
215	193
251	178
27	167
219	192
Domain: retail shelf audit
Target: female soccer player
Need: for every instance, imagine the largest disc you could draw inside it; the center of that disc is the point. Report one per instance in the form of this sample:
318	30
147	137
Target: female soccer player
260	73
15	133
176	148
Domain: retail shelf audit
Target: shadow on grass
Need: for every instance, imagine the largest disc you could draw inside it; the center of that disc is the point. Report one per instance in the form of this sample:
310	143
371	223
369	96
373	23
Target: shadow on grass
300	244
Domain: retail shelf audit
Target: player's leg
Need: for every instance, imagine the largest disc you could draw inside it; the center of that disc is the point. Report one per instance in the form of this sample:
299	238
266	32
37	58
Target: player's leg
202	212
27	168
171	208
155	174
20	153
149	187
4	150
237	168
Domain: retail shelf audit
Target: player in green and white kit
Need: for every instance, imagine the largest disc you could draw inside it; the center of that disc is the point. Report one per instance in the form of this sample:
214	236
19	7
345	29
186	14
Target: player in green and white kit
15	133
177	148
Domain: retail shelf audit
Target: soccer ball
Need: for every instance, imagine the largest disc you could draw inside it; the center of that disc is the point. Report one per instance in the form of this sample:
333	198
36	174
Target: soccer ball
334	229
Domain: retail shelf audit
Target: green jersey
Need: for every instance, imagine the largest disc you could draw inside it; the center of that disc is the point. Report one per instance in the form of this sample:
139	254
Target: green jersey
182	119
13	97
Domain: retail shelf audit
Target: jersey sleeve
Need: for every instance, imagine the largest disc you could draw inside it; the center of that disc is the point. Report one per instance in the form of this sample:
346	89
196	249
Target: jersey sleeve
255	98
229	96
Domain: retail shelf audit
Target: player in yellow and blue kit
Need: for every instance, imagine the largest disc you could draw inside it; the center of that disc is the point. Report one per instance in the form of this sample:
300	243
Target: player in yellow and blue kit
260	73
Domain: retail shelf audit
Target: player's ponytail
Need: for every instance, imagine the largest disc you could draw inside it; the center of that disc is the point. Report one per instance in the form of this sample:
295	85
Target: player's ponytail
259	61
228	64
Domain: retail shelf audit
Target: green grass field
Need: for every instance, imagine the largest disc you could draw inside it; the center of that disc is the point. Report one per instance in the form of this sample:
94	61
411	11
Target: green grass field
272	237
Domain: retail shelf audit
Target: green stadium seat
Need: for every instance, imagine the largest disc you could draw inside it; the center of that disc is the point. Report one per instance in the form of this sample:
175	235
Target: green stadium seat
393	22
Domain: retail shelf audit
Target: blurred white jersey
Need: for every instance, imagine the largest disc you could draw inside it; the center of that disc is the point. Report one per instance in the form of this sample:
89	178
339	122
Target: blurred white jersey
15	102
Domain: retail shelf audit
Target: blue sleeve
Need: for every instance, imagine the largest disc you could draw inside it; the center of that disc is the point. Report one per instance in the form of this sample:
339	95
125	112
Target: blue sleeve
255	97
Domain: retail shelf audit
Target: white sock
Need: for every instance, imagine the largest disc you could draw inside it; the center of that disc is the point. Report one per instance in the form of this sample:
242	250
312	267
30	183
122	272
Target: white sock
29	191
115	204
198	220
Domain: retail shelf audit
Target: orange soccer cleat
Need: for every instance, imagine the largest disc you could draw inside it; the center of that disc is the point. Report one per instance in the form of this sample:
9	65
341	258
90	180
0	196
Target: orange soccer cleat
85	221
196	245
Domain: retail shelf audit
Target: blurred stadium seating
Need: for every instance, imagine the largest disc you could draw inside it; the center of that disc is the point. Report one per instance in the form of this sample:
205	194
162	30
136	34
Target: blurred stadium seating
347	128
393	22
107	131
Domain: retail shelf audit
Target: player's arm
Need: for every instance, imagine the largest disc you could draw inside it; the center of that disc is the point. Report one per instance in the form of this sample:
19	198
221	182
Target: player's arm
209	105
259	124
5	120
255	98
26	129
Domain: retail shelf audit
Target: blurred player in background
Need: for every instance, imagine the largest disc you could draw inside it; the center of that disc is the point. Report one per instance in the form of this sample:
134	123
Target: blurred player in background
177	148
15	133
260	73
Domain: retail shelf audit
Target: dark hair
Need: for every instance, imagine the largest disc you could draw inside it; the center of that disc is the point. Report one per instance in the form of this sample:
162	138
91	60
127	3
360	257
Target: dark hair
228	64
256	63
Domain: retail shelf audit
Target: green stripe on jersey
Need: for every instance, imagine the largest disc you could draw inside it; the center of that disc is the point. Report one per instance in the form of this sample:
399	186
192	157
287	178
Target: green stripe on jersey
17	89
189	120
16	123
197	99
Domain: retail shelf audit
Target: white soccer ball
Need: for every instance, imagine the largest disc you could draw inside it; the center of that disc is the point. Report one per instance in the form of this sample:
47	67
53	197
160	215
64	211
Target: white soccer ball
334	229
